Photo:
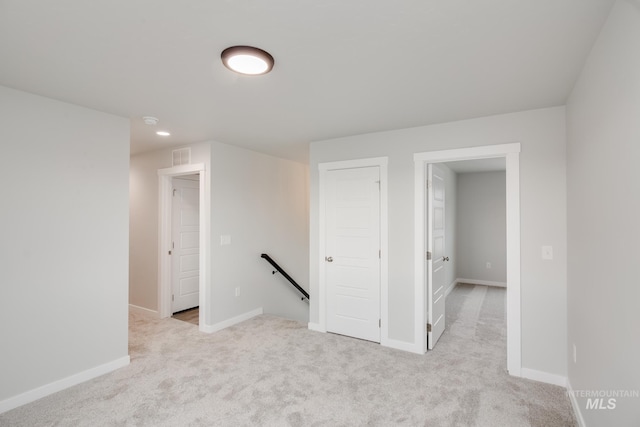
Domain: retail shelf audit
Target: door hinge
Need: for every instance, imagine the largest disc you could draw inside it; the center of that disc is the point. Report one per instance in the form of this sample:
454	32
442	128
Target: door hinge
378	182
173	298
173	245
428	184
428	256
379	323
174	192
379	253
428	327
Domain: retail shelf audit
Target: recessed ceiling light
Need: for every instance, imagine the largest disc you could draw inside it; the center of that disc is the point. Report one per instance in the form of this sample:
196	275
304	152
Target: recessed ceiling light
163	133
247	60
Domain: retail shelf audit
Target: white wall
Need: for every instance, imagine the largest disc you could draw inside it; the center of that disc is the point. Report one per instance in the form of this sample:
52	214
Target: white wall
260	201
63	299
143	220
482	226
543	218
603	209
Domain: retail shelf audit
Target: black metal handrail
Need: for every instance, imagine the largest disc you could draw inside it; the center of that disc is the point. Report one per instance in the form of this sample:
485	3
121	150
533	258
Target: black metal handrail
285	275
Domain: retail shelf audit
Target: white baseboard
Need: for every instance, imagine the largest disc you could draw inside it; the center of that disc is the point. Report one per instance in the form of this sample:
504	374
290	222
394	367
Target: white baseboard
142	310
450	288
315	327
482	282
230	322
544	377
56	386
402	345
574	404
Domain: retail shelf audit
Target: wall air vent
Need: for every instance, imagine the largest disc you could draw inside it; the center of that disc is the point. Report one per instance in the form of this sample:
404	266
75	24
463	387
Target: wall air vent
181	156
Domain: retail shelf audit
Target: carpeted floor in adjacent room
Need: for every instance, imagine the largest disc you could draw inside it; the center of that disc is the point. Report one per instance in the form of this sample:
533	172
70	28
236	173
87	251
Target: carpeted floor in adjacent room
269	371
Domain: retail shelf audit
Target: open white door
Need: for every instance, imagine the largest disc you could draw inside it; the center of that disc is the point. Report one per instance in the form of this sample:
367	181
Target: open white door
186	244
352	258
435	254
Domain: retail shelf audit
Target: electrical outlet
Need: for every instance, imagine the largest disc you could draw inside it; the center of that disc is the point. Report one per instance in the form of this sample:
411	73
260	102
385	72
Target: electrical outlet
225	239
575	354
547	252
488	265
238	291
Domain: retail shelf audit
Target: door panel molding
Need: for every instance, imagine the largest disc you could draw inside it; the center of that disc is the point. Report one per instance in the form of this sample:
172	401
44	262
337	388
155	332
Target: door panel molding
511	152
352	242
381	163
436	244
185	257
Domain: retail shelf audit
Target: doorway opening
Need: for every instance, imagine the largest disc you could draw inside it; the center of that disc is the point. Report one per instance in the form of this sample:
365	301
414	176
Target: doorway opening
190	315
199	238
471	261
510	154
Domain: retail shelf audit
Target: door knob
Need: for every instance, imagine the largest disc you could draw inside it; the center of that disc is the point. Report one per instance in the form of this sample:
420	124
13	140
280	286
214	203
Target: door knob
328	259
445	258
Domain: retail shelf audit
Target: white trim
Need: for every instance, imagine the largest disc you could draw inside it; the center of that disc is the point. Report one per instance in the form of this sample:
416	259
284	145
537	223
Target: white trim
470	153
419	253
450	288
64	383
382	163
181	170
577	411
322	208
384	253
143	310
164	240
404	346
511	152
544	377
482	282
352	164
315	327
230	322
514	301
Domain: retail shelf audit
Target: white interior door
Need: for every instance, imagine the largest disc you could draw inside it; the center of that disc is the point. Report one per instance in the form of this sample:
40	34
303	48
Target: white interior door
352	258
185	254
436	254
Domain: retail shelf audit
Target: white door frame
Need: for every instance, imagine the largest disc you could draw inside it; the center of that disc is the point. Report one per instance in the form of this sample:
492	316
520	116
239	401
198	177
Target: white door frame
380	162
165	187
511	153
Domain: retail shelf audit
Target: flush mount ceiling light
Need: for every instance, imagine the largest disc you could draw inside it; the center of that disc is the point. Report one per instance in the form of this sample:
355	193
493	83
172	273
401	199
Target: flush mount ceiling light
163	133
247	60
148	120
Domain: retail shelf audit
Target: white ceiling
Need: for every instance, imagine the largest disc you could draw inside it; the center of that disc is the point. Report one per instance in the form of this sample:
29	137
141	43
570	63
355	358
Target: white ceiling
342	67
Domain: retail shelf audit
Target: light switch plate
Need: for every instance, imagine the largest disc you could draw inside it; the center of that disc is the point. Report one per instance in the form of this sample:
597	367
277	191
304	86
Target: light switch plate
225	239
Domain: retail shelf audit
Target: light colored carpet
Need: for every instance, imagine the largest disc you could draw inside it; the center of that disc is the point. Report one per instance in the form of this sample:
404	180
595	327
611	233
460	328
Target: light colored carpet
269	371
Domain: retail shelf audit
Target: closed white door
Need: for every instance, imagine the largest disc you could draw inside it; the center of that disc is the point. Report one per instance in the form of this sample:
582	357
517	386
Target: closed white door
436	256
186	244
352	258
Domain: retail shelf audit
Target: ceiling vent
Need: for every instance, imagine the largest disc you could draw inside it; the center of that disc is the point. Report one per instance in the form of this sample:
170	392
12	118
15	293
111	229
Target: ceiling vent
181	156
